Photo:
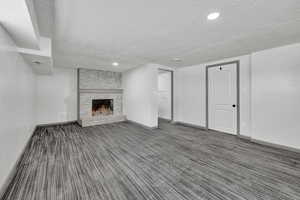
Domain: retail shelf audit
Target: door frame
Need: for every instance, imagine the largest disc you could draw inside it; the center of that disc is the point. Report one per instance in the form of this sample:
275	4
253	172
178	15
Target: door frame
172	91
237	62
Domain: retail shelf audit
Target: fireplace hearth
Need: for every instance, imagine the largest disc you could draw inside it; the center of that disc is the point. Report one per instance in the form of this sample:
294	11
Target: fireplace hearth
102	107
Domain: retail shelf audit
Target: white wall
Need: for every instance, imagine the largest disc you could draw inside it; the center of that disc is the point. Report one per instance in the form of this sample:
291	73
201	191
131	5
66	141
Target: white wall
269	95
17	105
140	99
190	93
276	95
57	96
164	92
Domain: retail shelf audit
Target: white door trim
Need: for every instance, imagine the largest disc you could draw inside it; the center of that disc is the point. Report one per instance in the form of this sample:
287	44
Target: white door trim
237	62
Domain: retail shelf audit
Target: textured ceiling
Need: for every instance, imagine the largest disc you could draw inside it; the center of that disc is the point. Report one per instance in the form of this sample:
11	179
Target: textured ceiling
45	16
95	33
17	17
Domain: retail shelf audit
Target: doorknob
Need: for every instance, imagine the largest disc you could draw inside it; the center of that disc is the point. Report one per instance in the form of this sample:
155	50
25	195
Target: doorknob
234	105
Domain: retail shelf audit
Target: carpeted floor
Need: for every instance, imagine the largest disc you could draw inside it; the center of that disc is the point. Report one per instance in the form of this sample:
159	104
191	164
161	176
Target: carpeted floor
123	161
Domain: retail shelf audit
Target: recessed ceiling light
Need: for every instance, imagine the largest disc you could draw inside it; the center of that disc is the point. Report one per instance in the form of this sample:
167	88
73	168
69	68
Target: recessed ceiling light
213	16
115	64
177	59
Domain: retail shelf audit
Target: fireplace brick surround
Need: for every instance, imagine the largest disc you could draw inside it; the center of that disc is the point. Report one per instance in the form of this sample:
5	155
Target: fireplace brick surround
98	84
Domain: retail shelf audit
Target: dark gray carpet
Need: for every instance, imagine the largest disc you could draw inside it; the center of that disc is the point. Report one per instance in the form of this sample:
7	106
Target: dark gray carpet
123	161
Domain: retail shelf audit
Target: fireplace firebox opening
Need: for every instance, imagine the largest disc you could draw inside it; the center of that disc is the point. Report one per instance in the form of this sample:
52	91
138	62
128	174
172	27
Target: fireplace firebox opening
102	107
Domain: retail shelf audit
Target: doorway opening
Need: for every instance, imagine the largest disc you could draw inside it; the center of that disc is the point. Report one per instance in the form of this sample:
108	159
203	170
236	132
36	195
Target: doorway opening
165	95
222	97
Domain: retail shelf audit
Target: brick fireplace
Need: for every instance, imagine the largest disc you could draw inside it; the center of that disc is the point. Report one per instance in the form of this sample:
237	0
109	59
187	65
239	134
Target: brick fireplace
100	97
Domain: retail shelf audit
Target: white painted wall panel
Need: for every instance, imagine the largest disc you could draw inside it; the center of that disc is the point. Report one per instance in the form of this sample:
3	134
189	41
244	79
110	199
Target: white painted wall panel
276	95
140	98
190	95
57	96
17	104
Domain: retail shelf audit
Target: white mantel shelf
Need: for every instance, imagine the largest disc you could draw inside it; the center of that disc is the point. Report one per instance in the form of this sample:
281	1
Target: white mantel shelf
102	91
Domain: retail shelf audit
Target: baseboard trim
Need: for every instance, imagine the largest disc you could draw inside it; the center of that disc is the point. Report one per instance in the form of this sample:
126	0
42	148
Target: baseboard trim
142	125
277	146
248	138
57	123
244	137
164	119
13	171
189	125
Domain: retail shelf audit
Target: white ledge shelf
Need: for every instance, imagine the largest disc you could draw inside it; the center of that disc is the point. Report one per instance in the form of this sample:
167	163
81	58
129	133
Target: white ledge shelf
103	91
91	121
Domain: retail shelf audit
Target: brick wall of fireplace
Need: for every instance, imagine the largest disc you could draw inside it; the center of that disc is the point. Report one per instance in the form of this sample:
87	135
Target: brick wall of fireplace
99	86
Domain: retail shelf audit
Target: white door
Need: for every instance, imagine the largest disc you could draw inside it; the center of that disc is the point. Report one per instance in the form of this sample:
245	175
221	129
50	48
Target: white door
222	98
165	95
